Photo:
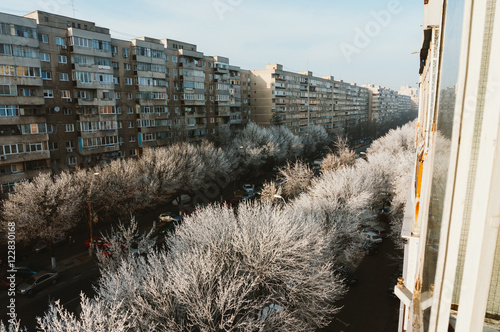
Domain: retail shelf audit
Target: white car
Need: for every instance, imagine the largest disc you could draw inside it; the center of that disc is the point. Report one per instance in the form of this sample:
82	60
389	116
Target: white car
372	237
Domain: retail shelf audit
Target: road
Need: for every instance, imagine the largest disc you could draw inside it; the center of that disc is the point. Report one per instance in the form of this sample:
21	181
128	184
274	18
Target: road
367	307
68	288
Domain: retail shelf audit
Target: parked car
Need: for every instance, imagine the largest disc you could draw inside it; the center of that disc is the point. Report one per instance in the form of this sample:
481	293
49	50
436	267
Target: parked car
168	217
372	237
183	200
25	270
380	231
43	246
37	281
248	188
346	274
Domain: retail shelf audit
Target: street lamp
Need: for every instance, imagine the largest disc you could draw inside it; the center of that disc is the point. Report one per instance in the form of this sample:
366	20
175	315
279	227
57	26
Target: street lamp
91	244
279	196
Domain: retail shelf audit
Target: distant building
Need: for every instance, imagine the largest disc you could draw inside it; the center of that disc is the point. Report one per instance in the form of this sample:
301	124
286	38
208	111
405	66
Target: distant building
384	103
301	99
406	90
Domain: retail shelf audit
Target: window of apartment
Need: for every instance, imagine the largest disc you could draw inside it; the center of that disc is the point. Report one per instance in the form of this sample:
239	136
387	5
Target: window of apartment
70	145
28	71
63	77
71	160
131	138
130	96
115	65
128	81
54	146
174	58
5	49
45	57
9	110
125	52
60	41
126	66
65	94
212	131
8	169
174	72
118	110
131	124
48	93
175	97
67	111
62	59
116	80
70	127
212	120
43	38
130	110
46	75
7	188
118	95
133	152
114	50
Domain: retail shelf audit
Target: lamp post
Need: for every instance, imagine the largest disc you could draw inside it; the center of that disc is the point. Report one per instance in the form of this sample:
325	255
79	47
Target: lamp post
91	244
279	196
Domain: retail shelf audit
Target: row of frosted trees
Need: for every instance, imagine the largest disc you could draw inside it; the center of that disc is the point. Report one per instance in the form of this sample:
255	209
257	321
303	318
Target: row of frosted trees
266	265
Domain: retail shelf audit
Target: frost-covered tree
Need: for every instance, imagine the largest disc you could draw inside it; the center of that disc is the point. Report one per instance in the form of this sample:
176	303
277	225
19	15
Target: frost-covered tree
270	192
343	156
296	178
314	140
264	268
45	209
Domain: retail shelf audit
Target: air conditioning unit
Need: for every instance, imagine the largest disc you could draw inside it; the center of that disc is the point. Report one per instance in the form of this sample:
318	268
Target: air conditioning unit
3	157
69	149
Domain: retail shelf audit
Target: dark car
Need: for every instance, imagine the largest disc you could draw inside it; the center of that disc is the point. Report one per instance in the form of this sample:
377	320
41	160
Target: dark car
37	281
347	275
169	216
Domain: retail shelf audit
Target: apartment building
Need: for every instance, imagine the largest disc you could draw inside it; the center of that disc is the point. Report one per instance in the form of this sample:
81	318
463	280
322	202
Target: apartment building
406	90
404	103
301	99
384	102
24	129
71	95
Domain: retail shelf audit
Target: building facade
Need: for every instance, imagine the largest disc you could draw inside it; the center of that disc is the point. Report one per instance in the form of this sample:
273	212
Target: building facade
406	90
384	103
71	95
301	99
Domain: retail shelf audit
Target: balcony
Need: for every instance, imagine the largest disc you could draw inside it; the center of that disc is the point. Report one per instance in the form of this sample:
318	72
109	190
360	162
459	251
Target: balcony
86	151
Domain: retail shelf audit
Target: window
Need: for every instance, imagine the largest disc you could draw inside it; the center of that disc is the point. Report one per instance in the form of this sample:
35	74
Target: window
212	131
46	75
115	65
9	110
118	110
69	128
175	97
44	38
60	41
5	49
131	124
65	94
63	77
45	57
131	138
128	81
130	96
212	120
54	146
71	160
48	94
67	111
8	187
79	41
174	58
130	110
7	70
62	59
126	52
116	80
126	66
133	152
118	95
28	71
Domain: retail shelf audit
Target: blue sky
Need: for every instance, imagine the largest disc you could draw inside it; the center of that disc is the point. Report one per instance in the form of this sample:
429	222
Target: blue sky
359	41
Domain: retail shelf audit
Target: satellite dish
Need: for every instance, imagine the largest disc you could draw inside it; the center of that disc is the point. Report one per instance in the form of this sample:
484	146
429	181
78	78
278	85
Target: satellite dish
56	108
